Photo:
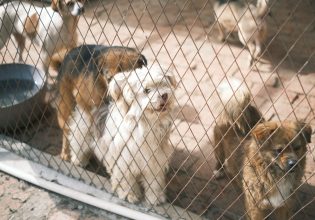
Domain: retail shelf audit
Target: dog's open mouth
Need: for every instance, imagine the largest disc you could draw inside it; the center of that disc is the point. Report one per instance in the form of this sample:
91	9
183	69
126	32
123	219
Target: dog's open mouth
162	108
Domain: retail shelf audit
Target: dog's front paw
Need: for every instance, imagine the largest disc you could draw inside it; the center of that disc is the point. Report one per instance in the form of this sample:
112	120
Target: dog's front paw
153	199
65	156
131	196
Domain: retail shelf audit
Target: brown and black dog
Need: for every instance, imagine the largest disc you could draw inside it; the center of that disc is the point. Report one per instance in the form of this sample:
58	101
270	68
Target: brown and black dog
266	158
83	78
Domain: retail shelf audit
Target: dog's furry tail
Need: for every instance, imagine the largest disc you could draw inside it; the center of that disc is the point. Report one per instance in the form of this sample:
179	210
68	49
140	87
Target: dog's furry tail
238	112
262	6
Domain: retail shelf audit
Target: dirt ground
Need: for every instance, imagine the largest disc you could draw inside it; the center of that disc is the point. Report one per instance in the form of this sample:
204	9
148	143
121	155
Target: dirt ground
20	200
182	35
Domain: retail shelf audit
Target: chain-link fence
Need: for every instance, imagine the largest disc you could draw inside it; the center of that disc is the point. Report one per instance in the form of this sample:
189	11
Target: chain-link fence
216	118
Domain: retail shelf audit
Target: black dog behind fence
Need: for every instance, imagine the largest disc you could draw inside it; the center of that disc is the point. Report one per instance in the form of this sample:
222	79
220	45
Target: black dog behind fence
214	101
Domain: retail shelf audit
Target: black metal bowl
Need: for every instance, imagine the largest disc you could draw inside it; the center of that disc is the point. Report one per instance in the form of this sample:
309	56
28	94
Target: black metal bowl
21	95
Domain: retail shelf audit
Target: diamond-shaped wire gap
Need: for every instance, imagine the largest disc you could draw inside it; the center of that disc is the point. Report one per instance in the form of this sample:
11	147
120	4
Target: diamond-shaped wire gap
154	26
108	21
138	18
120	25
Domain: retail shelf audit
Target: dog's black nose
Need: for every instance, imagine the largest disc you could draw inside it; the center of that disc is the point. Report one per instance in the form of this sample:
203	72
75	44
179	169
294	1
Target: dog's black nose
291	164
165	97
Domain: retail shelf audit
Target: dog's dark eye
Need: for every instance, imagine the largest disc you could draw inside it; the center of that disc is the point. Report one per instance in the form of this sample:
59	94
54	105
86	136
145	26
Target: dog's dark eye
278	151
296	147
146	91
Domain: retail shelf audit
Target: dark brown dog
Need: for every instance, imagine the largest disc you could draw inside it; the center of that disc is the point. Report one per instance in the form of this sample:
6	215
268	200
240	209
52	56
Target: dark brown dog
83	78
267	158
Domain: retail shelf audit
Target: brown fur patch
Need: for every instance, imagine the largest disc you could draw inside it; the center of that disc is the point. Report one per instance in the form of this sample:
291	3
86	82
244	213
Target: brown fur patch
264	130
31	25
118	60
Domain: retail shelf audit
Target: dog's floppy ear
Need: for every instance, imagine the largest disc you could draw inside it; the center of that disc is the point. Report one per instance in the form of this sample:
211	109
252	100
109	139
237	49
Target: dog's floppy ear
263	131
306	130
54	5
116	85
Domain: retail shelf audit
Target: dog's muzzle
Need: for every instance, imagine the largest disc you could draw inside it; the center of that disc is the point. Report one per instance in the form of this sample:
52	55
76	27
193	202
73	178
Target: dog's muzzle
164	103
291	165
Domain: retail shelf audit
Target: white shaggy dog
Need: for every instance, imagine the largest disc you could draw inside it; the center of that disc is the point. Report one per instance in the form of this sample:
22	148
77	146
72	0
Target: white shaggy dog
134	145
52	28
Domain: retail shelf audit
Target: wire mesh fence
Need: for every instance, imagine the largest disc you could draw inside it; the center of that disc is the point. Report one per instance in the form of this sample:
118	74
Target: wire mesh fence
205	105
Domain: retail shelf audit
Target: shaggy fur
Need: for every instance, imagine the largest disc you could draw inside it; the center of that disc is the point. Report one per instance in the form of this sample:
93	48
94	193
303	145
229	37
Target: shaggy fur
51	28
83	81
246	19
267	159
134	145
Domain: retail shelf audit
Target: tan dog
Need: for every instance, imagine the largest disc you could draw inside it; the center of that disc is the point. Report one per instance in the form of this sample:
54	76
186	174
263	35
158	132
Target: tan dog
246	19
83	79
267	159
52	28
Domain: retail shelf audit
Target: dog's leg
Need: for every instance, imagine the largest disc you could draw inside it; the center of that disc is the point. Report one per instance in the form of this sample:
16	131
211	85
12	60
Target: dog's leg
80	137
154	184
257	49
65	106
21	45
65	151
252	51
46	62
219	153
124	182
252	210
221	35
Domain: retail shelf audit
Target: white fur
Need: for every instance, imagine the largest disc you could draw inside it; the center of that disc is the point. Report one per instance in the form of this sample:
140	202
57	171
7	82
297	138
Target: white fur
134	147
282	192
54	28
80	136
